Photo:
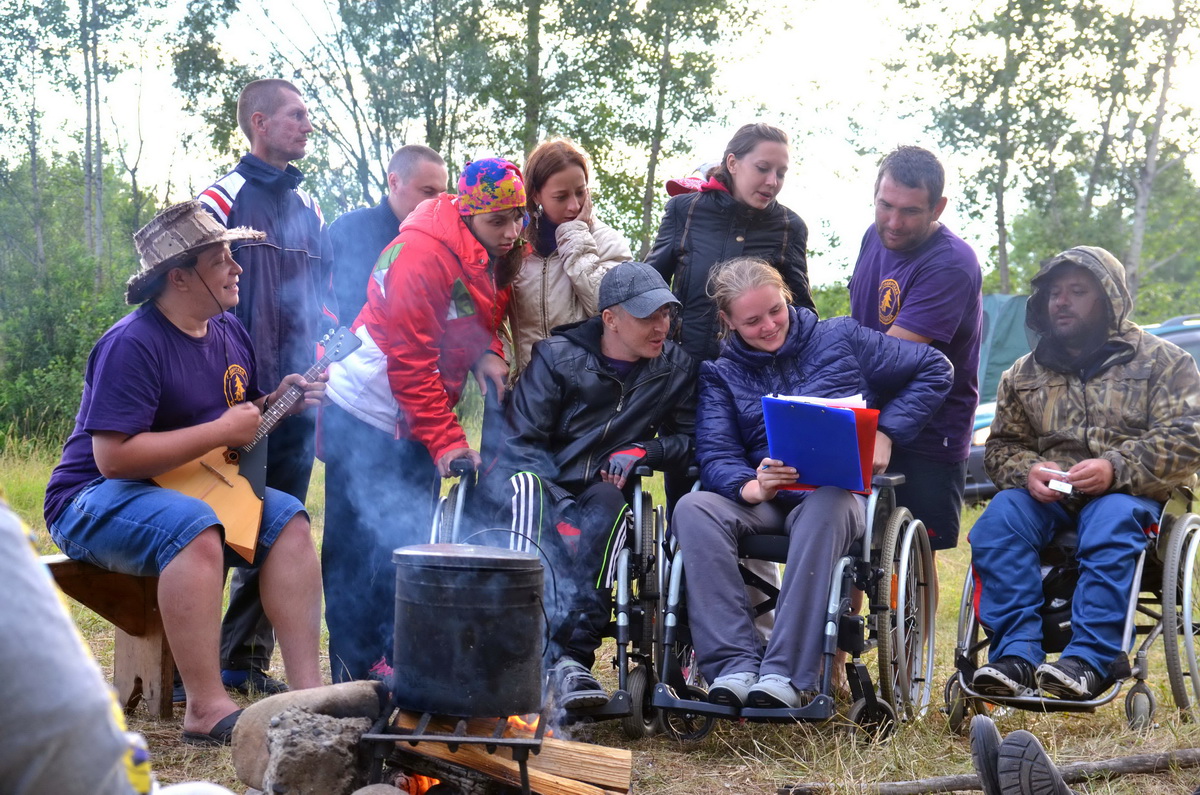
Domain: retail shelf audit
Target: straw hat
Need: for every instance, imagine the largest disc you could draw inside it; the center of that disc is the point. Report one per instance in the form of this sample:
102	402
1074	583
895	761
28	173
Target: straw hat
174	234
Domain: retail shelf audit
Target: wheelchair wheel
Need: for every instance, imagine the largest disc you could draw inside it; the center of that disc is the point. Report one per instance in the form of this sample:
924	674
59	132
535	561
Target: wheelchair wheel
642	720
688	726
906	632
1181	613
648	581
1139	707
958	706
869	724
442	531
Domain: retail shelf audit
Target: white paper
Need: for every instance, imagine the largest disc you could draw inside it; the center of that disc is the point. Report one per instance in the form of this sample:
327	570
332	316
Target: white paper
850	402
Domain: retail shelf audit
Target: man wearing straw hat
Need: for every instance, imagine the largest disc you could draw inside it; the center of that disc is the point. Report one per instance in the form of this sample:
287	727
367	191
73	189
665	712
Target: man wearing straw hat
165	385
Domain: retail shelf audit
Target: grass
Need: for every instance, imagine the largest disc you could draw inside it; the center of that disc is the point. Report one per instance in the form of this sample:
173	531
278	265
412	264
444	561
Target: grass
735	757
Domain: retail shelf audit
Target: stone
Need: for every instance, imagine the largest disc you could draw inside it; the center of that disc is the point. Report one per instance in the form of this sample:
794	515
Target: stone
346	700
378	789
312	754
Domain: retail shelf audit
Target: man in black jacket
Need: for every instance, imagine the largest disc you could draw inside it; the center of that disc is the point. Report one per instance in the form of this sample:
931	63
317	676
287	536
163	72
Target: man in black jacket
599	398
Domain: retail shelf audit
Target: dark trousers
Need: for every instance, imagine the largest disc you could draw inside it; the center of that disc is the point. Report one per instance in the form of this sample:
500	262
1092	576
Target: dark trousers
379	496
247	637
581	564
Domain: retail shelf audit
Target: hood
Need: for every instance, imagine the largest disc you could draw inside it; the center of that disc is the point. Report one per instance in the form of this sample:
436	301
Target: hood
585	333
439	218
800	328
1107	270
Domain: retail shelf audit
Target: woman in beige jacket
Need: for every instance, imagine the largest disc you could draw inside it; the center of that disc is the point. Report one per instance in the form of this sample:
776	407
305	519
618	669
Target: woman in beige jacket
570	251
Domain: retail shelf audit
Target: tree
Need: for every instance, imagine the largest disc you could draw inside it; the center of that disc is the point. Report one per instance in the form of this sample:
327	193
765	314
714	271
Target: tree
1006	87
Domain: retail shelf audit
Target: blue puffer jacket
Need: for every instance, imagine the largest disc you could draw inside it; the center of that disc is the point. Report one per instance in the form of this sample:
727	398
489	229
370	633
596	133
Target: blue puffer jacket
831	358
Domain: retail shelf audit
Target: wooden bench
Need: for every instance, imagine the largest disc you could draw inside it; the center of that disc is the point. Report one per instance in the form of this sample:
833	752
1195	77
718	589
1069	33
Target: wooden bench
143	668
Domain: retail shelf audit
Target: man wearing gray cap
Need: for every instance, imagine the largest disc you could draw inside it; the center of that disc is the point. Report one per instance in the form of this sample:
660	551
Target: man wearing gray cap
598	398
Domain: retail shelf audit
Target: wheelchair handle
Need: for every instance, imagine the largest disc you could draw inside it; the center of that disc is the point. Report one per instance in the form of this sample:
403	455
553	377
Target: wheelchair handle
461	467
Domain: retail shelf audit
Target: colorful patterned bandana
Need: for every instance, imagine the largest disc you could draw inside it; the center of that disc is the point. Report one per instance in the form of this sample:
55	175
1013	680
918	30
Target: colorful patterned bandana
490	185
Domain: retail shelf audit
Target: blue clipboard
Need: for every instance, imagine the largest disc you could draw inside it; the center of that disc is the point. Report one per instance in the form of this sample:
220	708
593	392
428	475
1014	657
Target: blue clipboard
821	442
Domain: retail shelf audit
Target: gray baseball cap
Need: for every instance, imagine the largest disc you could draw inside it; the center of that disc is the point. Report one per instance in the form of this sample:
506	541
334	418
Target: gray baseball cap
635	287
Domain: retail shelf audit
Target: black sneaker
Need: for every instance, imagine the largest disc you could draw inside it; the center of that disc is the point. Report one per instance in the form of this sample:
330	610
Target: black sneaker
1072	678
252	682
575	686
1006	677
985	749
1025	769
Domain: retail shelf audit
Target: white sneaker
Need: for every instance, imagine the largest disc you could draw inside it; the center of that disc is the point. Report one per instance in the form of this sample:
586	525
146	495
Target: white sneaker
775	691
730	690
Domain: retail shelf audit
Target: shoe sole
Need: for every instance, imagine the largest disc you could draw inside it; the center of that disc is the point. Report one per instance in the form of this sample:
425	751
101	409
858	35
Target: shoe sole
997	686
757	699
725	698
584	700
1053	686
985	750
1025	769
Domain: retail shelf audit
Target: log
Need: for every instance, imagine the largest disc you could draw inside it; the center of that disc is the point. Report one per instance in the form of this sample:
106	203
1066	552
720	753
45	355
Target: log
1074	773
567	765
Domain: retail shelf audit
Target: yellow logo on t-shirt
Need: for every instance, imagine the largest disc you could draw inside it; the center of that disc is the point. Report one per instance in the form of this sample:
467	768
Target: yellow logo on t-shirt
889	301
235	384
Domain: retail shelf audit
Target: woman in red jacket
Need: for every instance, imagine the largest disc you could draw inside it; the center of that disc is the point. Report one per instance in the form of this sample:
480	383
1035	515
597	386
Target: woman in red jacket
431	318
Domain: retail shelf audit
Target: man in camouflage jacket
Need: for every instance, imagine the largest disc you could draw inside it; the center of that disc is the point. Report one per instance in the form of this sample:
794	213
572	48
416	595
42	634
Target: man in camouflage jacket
1093	431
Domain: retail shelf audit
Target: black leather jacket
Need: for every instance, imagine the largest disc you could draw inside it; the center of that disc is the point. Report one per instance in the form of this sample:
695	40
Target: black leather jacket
570	410
702	229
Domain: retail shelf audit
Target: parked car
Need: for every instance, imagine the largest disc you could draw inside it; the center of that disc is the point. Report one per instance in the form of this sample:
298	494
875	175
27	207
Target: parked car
1184	331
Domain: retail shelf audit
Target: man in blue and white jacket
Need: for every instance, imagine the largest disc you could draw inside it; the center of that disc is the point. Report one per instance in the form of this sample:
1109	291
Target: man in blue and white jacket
286	304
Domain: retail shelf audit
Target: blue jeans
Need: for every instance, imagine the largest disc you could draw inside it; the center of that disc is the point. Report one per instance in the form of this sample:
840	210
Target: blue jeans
379	496
135	527
1006	543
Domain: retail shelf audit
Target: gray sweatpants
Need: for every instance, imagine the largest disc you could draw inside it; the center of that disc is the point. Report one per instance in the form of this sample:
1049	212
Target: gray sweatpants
821	530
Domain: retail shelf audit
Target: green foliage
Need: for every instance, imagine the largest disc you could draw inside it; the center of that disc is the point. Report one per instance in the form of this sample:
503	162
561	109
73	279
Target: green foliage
52	313
832	300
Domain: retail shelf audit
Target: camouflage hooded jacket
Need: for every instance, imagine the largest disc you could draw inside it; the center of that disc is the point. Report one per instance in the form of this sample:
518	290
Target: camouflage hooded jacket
1137	405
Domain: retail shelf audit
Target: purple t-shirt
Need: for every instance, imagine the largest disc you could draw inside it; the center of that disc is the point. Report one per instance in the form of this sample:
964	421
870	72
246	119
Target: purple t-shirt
147	375
933	291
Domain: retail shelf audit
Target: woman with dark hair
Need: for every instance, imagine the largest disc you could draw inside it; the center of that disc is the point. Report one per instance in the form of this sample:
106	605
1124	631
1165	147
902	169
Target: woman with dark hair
775	348
734	214
570	249
431	319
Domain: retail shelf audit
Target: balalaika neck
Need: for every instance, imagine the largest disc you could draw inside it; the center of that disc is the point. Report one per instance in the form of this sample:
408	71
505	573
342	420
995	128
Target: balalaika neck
280	408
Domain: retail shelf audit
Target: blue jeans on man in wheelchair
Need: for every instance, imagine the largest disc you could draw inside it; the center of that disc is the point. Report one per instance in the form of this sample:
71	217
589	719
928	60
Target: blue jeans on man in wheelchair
1006	543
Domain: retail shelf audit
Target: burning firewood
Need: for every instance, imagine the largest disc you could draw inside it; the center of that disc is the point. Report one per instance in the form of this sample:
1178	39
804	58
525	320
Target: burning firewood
562	767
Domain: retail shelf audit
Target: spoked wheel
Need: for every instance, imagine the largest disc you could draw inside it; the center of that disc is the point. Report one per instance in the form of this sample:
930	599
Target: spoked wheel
648	581
1181	613
872	724
688	726
642	720
907	627
1139	707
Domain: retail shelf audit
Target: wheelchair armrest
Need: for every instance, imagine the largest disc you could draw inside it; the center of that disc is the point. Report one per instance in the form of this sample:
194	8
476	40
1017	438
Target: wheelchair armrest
892	479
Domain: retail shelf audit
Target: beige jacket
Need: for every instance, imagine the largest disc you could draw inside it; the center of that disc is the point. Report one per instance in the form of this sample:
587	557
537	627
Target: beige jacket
563	287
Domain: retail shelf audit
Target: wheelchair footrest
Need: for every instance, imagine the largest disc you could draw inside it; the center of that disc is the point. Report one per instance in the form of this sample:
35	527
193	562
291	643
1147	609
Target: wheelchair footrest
619	706
819	709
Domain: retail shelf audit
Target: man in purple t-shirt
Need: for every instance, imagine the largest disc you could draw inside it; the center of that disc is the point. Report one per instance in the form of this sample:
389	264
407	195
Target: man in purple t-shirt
165	385
917	280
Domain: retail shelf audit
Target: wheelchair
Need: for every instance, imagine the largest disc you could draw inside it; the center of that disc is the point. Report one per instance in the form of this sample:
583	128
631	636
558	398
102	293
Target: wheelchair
638	578
1164	601
892	565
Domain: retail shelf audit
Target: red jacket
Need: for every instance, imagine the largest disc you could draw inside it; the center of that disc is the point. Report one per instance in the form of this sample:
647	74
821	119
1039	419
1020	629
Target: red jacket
428	319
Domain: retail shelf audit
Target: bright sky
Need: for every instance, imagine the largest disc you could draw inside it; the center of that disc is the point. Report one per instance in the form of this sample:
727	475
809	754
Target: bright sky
814	68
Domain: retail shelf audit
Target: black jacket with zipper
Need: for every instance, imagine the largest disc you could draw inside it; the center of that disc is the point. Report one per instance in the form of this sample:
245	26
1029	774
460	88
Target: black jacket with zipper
702	229
570	411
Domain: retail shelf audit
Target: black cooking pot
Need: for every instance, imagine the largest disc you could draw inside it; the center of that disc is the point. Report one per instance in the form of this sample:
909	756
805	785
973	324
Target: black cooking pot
469	630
